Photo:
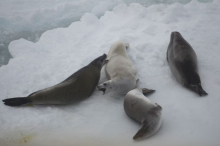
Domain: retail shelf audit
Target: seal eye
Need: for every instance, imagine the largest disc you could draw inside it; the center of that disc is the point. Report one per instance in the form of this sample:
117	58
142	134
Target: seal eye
104	84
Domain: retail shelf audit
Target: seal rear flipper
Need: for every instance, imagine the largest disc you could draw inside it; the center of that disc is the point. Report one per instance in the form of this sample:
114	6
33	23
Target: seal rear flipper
144	131
18	101
201	91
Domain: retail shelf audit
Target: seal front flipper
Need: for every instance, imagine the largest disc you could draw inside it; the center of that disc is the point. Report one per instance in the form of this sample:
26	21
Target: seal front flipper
147	91
16	101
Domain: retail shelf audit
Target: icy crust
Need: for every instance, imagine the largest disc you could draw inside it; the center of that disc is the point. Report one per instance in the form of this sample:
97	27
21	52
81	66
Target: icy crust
187	118
32	15
38	15
28	19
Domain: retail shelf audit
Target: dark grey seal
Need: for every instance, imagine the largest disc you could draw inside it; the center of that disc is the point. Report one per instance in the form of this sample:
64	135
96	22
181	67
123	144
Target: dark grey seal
77	87
183	63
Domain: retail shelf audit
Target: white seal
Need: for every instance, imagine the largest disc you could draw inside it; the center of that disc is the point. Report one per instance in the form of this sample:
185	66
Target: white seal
143	110
119	70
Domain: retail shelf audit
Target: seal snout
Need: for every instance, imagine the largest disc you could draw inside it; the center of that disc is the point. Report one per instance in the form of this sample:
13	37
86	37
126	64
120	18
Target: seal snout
104	55
100	88
175	35
102	59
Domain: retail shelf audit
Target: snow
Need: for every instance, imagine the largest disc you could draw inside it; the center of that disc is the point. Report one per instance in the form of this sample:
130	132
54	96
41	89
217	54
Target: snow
100	120
28	19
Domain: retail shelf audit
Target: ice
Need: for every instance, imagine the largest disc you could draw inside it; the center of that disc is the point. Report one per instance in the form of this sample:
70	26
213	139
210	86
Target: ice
28	19
100	120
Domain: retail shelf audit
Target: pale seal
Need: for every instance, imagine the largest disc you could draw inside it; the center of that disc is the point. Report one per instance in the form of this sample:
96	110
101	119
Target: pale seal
141	109
119	70
77	87
183	63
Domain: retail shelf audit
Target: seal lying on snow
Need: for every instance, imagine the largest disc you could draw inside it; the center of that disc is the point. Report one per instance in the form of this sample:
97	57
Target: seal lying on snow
119	70
141	109
77	87
183	63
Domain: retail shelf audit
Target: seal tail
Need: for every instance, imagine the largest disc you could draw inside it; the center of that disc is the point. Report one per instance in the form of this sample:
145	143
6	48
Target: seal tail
200	91
18	101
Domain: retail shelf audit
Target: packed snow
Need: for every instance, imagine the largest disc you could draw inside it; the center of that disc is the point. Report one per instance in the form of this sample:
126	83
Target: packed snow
30	18
188	119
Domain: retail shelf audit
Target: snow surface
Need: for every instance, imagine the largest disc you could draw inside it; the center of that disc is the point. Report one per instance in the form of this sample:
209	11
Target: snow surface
100	120
30	18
